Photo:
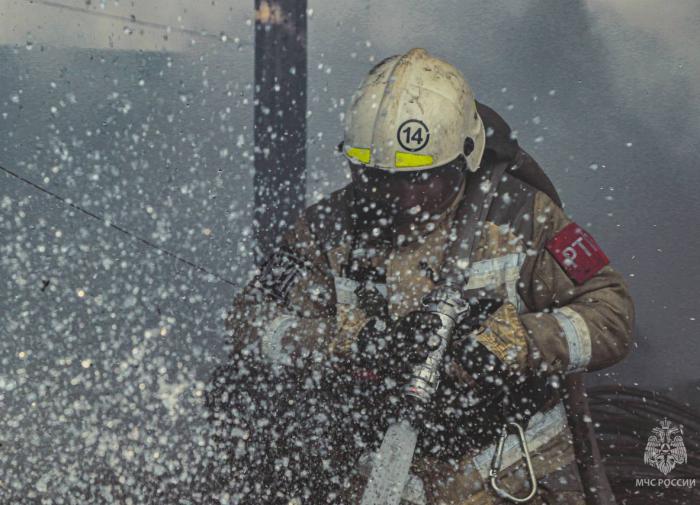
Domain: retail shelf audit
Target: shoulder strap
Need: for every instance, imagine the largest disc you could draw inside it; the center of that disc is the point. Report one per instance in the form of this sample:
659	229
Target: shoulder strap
501	143
470	218
525	168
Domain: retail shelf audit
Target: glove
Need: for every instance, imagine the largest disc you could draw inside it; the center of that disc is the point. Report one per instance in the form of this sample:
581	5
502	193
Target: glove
415	336
392	350
387	349
483	368
494	341
493	360
372	302
370	342
293	281
413	339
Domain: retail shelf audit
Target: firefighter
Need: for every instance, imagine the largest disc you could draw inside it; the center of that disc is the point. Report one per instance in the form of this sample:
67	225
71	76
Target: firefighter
340	303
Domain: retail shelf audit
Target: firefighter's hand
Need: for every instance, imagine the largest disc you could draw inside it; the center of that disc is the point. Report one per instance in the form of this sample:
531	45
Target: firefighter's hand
490	349
483	366
390	350
414	337
372	302
370	353
405	344
293	281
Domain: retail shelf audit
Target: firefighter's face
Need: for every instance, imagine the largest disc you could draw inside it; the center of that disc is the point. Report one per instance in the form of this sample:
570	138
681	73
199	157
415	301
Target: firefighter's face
409	197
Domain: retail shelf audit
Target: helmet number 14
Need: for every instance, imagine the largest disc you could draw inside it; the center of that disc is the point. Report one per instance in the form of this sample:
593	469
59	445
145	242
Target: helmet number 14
413	135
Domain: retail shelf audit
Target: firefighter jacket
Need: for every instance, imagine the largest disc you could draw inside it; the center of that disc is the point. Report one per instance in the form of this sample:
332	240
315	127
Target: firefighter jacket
566	311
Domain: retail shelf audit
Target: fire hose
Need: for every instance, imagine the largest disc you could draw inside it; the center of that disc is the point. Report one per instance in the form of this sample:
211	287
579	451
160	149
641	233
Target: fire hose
391	464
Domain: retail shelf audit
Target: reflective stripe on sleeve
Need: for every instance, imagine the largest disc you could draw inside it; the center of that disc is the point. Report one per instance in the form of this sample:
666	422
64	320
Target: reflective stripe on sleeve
578	338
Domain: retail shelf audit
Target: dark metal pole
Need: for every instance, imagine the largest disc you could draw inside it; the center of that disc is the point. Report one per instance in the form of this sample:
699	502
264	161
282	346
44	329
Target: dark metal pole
280	118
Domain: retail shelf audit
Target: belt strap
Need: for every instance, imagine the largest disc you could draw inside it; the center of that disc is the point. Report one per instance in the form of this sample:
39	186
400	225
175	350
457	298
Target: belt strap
469	218
542	428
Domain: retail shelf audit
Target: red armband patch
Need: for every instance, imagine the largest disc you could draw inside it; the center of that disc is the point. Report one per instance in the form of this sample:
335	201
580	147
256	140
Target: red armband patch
577	253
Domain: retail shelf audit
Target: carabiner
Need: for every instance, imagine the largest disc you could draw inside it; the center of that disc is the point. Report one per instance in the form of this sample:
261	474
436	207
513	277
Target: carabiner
497	460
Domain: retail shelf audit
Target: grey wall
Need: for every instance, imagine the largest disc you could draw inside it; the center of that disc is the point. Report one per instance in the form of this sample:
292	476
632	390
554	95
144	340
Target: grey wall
151	127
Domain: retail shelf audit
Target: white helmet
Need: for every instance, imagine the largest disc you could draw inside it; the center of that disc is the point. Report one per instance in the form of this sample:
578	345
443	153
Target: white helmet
413	112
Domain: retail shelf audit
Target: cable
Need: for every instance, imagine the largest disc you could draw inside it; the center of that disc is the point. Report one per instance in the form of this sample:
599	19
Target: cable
119	228
624	417
133	20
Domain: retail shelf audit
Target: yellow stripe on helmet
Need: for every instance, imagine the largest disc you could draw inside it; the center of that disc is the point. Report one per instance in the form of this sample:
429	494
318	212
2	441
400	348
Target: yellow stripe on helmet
360	154
410	160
